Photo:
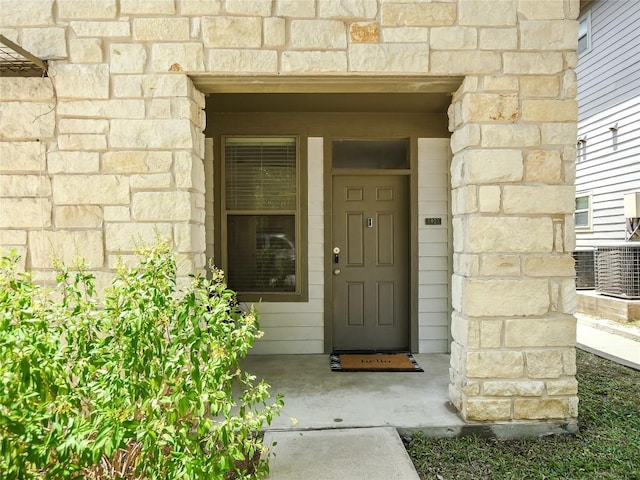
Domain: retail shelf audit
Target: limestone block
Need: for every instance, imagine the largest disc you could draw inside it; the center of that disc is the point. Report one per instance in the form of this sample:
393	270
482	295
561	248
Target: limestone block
168	85
73	162
518	298
320	34
475	12
569	84
563	386
187	109
90	189
76	125
162	206
116	213
188	171
23	157
542	332
568	297
465	200
418	14
498	39
101	29
232	32
189	237
453	38
465	331
348	8
523	388
364	32
569	361
127	58
200	7
541	9
66	246
491	333
548	35
480	107
152	133
559	133
395	57
25	213
25	88
243	61
296	8
153	7
13	237
83	142
466	265
405	34
177	57
27	120
544	363
151	181
500	83
78	216
45	43
461	62
87	9
85	50
493	165
314	62
160	108
500	265
467	136
510	136
489	199
274	32
540	86
510	235
494	364
549	266
532	63
82	81
550	110
25	186
19	13
548	199
130	237
162	29
249	7
540	409
544	166
103	108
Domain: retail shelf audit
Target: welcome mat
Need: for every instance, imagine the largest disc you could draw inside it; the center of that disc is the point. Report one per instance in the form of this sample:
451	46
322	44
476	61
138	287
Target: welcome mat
374	362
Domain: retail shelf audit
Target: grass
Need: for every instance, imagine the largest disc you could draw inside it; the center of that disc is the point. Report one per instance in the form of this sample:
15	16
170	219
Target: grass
607	447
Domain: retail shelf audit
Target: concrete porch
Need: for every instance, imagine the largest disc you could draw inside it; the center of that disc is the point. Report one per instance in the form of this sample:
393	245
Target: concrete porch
318	399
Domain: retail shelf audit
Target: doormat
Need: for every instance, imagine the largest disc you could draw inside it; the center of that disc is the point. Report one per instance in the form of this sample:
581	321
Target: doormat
374	362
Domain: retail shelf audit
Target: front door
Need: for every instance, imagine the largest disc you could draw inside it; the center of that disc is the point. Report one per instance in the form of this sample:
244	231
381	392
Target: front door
370	262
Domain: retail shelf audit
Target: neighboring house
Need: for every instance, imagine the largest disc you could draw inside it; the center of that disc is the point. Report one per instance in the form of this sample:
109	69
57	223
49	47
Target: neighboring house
380	174
608	149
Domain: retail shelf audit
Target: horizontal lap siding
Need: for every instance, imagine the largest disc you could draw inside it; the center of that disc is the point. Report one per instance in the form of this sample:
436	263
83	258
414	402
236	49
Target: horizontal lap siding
609	94
433	246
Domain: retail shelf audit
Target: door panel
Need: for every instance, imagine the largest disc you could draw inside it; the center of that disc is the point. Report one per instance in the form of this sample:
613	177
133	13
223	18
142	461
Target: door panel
370	281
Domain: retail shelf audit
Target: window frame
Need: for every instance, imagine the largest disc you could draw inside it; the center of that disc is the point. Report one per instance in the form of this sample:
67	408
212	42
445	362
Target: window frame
586	21
221	258
589	210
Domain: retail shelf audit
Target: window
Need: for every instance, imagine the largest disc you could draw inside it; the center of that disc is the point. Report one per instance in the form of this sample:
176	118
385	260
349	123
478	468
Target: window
584	33
262	245
583	212
581	150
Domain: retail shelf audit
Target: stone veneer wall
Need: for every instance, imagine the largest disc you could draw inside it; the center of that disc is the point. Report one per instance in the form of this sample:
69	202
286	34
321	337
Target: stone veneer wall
109	149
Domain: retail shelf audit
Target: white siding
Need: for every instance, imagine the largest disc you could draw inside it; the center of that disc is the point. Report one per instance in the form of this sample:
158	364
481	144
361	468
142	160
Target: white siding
434	246
609	96
298	327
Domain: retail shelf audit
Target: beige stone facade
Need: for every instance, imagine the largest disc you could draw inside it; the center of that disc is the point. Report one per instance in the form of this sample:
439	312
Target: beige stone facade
107	151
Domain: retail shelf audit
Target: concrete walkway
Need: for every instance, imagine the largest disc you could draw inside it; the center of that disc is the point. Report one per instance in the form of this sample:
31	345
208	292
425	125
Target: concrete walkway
613	340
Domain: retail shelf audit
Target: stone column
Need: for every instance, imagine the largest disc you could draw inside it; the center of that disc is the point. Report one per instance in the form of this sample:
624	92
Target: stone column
512	356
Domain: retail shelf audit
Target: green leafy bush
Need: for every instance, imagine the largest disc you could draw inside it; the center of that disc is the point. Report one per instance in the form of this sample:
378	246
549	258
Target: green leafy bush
145	383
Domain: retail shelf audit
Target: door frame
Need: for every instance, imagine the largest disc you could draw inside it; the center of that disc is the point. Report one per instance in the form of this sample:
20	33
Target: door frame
411	172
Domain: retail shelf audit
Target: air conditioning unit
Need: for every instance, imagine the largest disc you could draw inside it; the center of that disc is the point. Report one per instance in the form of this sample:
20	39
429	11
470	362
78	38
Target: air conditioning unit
585	269
618	271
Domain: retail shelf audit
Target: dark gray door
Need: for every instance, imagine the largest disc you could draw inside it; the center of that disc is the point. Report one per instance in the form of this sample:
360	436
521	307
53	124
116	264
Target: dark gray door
370	271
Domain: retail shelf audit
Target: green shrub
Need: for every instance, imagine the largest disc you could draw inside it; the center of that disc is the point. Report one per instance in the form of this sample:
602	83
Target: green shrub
144	383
